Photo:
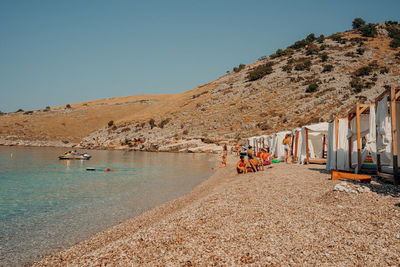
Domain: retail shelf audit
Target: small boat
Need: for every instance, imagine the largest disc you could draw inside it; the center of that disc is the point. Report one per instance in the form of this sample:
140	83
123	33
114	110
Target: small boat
74	155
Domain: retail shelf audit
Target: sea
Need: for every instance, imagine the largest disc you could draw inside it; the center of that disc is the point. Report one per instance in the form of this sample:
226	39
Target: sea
47	204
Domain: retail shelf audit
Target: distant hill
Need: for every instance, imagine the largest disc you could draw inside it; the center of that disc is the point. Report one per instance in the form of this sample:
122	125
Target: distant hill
313	80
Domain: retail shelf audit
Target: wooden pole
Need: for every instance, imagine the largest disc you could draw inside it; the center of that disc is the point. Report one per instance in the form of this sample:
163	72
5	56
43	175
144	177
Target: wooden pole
336	138
394	135
378	156
308	157
349	140
296	146
291	145
358	137
323	147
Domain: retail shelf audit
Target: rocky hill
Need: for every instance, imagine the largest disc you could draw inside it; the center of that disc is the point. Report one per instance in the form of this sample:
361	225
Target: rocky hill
313	80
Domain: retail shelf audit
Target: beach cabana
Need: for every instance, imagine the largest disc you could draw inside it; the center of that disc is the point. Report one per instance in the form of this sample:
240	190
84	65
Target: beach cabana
387	138
277	148
313	148
337	145
362	138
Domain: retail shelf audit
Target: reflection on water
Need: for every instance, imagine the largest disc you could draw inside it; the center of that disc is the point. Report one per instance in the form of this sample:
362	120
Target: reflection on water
47	204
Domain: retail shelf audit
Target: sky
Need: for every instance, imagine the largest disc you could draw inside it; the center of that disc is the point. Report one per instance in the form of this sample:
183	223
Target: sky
58	52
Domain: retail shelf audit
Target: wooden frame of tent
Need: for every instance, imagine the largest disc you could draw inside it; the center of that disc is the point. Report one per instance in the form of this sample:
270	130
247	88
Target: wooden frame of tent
315	160
295	145
336	120
393	95
356	113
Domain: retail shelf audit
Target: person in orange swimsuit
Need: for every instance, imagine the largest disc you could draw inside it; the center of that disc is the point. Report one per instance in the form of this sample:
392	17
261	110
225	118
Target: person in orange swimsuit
242	165
266	157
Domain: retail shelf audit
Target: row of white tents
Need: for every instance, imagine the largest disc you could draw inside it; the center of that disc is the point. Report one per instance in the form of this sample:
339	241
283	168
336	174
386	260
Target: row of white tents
365	141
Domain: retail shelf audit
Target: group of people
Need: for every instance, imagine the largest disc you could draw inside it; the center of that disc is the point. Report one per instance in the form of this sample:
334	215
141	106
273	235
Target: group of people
254	162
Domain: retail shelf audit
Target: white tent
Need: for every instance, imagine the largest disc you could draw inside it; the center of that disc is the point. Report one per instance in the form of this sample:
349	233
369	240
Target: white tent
277	148
337	145
387	139
316	142
362	127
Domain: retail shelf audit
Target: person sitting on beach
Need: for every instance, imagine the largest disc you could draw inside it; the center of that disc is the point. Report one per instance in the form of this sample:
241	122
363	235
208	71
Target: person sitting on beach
241	166
266	157
223	163
250	152
237	149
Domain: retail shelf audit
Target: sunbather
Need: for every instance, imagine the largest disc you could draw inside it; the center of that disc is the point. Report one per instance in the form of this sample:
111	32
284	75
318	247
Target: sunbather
242	165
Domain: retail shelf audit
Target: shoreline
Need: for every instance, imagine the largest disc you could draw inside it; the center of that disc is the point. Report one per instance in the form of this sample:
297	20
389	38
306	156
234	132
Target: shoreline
286	215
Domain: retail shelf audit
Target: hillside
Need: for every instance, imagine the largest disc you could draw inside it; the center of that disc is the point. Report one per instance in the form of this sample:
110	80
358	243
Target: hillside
313	80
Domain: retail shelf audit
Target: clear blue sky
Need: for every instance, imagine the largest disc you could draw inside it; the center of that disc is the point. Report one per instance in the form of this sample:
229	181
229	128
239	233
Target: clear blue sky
58	52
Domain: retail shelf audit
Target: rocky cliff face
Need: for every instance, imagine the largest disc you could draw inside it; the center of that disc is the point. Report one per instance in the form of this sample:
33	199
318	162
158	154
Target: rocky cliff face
311	81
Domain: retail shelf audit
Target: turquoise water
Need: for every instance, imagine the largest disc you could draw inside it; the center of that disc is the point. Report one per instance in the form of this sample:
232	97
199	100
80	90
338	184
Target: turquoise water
48	204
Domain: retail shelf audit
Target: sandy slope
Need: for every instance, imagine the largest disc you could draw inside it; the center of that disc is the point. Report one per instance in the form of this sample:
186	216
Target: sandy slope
287	215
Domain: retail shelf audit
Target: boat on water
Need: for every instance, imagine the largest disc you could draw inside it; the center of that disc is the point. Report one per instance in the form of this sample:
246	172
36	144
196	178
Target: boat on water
74	155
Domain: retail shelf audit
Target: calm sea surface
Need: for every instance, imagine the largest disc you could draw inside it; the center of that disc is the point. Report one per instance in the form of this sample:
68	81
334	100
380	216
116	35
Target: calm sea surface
48	204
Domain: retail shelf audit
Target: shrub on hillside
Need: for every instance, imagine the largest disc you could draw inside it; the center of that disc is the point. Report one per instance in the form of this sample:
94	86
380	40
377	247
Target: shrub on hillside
390	22
324	57
287	68
395	43
321	39
152	123
363	71
357	84
312	49
260	71
239	68
368	30
299	44
360	51
312	88
20	110
358	23
280	53
327	68
164	122
384	70
310	38
110	123
338	38
303	65
394	33
68	106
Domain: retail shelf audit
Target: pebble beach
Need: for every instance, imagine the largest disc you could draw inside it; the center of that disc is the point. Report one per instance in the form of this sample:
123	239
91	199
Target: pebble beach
288	215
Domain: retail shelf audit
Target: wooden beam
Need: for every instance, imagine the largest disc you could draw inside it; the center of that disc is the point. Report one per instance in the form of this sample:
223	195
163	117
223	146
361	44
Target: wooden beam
336	175
323	147
349	141
358	138
394	135
397	94
336	138
364	108
378	156
296	146
308	157
318	161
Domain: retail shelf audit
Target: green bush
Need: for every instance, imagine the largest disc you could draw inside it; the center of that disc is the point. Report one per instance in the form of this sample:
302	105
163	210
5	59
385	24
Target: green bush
239	68
389	23
368	30
324	57
164	122
68	106
310	38
358	23
152	123
360	51
110	123
363	71
395	43
356	84
338	38
287	68
260	71
20	110
312	88
327	68
299	44
312	49
321	39
303	65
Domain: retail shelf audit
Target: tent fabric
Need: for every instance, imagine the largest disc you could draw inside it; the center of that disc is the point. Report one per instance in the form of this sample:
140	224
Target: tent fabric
384	135
316	134
338	158
278	149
